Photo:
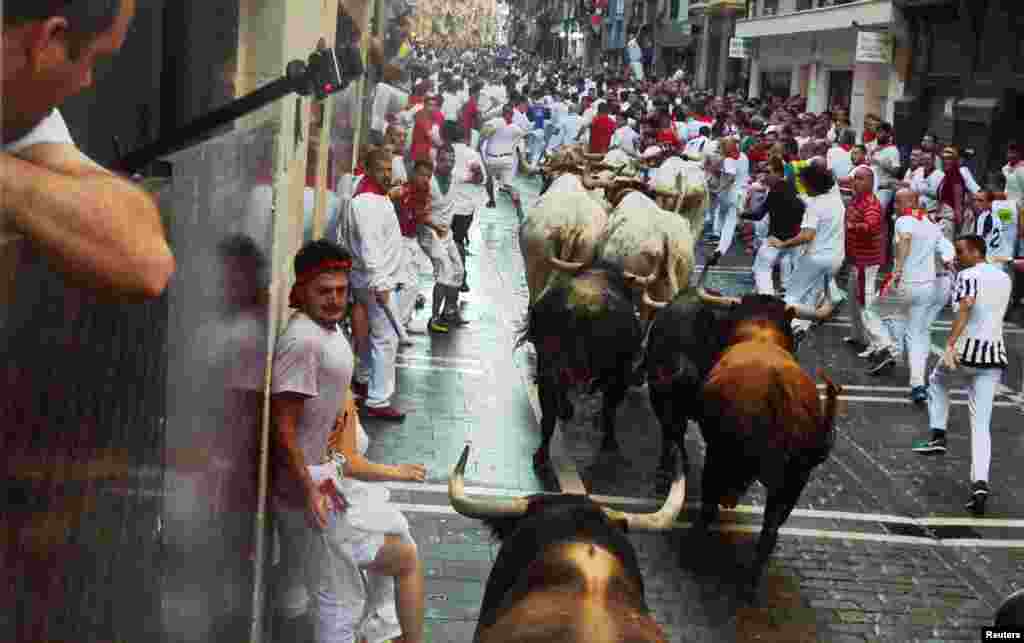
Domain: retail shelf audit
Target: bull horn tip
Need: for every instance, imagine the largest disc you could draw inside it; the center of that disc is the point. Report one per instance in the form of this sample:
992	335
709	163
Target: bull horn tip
460	468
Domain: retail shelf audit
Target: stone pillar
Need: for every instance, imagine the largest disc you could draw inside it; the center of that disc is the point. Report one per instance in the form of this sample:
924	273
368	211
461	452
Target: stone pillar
817	92
861	73
705	53
728	23
794	80
754	91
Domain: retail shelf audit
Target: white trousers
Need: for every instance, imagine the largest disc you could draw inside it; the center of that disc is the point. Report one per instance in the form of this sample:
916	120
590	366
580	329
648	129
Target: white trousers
376	365
444	255
926	301
723	208
764	263
807	282
864	318
416	263
981	392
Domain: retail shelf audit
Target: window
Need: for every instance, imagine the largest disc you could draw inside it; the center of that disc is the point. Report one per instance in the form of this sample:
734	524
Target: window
804	5
771	7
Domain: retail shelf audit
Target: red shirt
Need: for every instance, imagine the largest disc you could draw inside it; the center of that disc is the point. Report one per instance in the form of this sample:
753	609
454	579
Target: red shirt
421	142
469	114
601	130
668	136
865	246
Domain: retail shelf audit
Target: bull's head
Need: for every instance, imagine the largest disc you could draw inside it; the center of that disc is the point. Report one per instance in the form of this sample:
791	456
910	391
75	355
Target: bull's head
490	508
795	311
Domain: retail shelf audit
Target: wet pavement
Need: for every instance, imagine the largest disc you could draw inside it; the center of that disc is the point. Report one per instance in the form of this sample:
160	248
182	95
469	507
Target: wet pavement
879	548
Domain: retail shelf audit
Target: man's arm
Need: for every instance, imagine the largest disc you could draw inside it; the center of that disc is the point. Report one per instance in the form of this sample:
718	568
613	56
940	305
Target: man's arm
285	410
902	251
99	229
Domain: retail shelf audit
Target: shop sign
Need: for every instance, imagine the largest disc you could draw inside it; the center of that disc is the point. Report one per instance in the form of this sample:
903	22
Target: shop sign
739	48
874	47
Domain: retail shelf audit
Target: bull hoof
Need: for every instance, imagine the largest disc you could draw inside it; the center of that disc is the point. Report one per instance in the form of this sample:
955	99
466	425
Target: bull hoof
540	458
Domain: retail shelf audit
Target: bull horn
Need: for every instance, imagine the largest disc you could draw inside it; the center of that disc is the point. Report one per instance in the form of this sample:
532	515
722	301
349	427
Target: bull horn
478	507
562	264
663	518
653	303
641	281
713	300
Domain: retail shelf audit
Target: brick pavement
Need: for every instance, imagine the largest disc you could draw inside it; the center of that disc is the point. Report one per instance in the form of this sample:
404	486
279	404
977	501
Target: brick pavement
816	589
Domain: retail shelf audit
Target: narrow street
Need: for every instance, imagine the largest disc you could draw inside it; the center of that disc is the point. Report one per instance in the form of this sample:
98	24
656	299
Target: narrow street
880	547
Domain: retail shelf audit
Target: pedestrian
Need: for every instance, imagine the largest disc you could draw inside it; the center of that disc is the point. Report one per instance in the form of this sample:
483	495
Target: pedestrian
822	238
601	129
499	138
437	241
326	544
975	352
87	222
864	240
468	194
786	212
1014	172
625	137
372	233
921	269
721	170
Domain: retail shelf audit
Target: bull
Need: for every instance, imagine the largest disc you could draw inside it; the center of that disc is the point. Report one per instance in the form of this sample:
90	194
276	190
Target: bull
585	332
654	248
728	363
560	233
680	188
565	570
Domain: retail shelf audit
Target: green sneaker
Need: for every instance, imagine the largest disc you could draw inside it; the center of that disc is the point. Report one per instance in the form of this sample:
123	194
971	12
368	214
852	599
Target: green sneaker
437	326
936	443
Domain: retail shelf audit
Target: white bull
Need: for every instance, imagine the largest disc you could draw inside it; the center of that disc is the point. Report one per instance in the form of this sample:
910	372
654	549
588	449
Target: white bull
560	232
681	187
653	247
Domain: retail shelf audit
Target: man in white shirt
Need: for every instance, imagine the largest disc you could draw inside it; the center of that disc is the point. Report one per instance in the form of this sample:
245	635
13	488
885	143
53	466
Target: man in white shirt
975	353
371	232
88	222
838	157
919	242
468	193
721	171
625	137
500	136
885	161
451	103
925	181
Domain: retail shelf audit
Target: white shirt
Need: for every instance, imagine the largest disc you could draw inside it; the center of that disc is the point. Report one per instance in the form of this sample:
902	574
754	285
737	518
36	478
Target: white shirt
826	215
505	136
838	160
625	138
398	174
927	187
926	241
742	172
885	161
698	145
52	129
571	127
467	196
316	363
1014	181
1007	214
681	130
369	229
450	105
981	343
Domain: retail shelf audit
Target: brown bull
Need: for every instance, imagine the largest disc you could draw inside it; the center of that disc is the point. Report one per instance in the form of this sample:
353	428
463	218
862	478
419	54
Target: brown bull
566	571
761	416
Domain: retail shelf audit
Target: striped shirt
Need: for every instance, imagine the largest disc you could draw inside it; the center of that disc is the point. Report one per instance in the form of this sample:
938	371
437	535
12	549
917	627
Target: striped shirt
864	247
981	344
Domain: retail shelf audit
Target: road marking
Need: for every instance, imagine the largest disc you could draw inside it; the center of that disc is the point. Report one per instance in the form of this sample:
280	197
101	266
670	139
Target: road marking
442	369
825	514
892	389
829	534
901	400
440	359
838	322
1006	391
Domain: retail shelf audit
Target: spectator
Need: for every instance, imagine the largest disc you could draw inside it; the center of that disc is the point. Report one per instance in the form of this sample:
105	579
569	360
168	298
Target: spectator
786	212
372	232
469	169
601	130
326	543
94	227
864	229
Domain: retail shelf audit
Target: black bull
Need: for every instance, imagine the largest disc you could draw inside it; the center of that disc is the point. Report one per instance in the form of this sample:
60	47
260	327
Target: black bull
565	570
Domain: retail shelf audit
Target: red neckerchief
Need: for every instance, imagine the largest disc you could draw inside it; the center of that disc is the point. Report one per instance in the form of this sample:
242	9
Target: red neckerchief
869	136
846	147
735	155
918	213
368	185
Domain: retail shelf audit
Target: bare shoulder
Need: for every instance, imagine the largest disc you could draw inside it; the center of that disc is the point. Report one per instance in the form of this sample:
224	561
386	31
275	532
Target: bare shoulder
63	158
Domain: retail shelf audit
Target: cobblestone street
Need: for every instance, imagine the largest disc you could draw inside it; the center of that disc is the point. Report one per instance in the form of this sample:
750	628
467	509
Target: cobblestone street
879	548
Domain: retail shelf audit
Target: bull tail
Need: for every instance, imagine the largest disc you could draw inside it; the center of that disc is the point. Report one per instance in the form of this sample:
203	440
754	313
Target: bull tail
832	392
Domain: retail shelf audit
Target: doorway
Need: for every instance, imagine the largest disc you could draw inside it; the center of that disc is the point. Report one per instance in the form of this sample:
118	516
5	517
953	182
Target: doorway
840	89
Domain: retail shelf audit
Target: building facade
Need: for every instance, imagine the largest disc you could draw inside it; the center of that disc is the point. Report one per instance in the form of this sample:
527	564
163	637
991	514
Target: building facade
837	53
967	80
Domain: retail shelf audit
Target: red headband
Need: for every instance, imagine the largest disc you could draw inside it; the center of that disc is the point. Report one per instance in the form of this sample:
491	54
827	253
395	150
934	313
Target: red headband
311	273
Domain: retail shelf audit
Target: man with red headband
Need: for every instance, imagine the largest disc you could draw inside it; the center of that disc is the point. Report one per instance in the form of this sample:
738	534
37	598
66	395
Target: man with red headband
372	234
327	545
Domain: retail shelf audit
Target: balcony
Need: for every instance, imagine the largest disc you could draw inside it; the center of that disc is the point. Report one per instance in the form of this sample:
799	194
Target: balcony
718	6
867	13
